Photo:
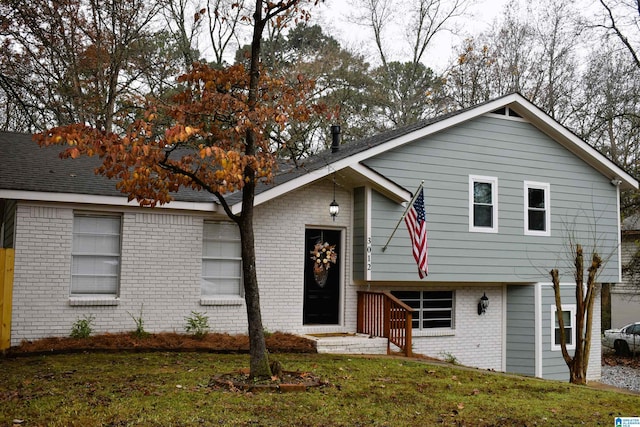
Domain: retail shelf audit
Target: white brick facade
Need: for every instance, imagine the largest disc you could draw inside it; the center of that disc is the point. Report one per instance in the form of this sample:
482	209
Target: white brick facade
476	340
161	266
280	249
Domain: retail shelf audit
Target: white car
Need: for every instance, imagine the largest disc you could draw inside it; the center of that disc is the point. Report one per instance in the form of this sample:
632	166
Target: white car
624	340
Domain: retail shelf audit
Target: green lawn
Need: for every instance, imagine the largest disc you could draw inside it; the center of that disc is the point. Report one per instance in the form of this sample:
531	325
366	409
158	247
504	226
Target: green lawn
172	389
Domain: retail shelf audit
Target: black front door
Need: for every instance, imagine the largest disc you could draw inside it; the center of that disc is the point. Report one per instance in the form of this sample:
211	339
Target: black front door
322	277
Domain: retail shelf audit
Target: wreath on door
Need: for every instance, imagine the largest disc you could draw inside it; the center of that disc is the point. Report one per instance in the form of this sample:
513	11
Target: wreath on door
323	255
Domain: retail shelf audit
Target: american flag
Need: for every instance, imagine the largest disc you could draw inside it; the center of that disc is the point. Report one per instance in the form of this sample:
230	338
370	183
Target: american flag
417	225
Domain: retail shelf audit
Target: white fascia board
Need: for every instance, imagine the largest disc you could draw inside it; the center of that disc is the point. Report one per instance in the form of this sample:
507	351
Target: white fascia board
286	187
391	188
91	199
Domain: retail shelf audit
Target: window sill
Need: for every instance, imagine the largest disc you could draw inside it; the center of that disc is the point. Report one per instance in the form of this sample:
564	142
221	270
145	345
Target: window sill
559	348
483	230
537	233
446	332
93	301
222	301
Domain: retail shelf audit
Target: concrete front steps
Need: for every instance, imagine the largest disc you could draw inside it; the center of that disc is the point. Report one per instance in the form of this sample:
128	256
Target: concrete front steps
343	343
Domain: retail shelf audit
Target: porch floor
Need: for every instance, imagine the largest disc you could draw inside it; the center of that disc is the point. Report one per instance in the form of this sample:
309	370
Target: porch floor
348	343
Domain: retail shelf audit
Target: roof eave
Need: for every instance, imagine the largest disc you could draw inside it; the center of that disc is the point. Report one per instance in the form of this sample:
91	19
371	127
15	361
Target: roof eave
92	199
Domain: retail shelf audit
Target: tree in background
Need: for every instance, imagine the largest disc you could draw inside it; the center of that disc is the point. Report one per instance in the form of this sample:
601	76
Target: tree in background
608	110
537	60
342	84
585	296
405	87
621	19
216	22
214	138
73	61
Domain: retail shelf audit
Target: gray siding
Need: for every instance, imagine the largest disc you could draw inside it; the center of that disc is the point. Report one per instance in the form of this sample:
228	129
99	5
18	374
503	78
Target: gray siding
359	234
583	205
520	345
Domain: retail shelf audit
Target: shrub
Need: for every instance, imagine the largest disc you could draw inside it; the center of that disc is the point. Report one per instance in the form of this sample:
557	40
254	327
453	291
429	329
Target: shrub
449	358
82	327
197	324
139	331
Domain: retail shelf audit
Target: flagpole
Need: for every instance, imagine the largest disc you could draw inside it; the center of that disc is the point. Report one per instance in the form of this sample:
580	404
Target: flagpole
384	248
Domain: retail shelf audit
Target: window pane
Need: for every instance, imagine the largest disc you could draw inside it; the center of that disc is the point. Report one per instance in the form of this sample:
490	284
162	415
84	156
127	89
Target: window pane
537	220
482	192
221	249
221	231
221	287
221	260
482	216
221	268
96	224
435	304
568	327
566	317
406	295
436	323
94	285
567	334
95	263
448	295
96	244
536	198
432	309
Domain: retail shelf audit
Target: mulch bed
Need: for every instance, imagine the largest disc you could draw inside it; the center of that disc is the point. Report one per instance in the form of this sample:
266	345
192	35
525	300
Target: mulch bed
614	360
284	382
277	342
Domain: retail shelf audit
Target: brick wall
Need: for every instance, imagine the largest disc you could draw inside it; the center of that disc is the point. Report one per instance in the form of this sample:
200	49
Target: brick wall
280	241
161	267
41	273
160	273
476	339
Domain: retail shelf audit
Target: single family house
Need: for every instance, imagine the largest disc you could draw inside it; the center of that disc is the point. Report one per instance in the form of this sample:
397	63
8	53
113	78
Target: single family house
505	189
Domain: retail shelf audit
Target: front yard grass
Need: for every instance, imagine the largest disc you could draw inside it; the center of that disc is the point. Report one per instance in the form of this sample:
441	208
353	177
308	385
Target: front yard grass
173	389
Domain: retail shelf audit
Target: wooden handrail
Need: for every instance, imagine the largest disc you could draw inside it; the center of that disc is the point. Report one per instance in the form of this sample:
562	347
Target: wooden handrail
380	314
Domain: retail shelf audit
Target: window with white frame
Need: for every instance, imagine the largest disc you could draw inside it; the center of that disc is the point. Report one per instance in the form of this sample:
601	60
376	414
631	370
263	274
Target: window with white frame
432	309
569	318
95	255
221	260
483	204
537	212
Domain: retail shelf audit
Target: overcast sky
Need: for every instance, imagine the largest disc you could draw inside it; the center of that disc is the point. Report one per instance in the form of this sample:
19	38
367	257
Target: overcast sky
334	16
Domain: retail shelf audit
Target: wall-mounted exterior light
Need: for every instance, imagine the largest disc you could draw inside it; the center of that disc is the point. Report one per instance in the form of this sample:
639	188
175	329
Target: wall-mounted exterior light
334	207
483	304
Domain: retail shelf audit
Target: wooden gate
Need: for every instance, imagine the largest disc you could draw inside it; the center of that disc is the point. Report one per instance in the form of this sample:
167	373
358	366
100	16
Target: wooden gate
6	296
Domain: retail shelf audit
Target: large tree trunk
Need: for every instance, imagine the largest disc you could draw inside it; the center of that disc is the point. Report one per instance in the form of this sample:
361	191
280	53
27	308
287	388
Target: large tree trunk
259	360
